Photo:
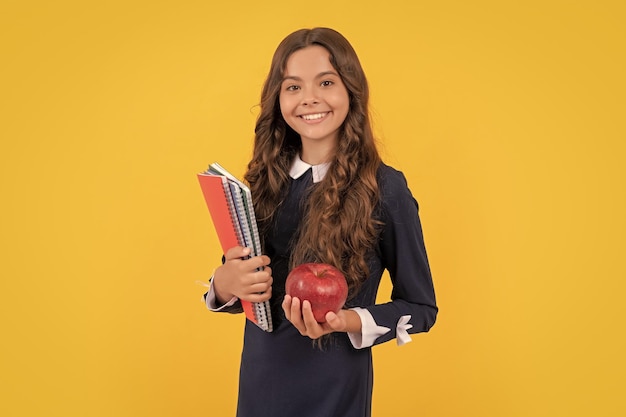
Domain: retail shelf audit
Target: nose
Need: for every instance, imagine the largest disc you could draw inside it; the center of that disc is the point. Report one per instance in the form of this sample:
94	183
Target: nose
309	97
310	101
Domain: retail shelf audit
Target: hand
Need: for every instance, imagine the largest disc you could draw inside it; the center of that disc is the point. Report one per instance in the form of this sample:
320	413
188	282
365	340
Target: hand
239	277
301	316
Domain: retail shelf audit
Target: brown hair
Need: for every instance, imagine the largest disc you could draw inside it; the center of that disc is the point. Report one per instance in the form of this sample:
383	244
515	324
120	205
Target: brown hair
338	227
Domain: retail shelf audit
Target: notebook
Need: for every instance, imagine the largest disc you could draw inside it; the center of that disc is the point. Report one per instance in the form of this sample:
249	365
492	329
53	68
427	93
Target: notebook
230	205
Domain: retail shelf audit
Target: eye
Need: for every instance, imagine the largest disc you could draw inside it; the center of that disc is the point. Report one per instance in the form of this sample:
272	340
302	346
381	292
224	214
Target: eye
327	83
292	87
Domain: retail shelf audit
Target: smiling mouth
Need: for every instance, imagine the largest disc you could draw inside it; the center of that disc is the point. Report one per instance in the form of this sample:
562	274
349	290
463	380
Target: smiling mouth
315	116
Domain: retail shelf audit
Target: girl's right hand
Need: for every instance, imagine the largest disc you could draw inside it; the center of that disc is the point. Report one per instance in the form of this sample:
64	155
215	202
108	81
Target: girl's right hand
239	277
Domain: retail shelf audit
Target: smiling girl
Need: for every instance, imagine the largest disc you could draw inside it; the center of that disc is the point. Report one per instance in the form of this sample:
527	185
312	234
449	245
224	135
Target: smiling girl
322	194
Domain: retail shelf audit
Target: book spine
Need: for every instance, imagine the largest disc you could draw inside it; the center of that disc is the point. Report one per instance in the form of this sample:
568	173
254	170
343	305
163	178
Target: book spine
233	212
254	230
242	216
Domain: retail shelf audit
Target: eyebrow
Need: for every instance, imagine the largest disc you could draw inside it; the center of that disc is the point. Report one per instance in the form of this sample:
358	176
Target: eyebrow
320	75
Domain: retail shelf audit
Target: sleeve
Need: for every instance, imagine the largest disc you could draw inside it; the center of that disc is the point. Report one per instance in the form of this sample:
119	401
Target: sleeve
413	307
232	306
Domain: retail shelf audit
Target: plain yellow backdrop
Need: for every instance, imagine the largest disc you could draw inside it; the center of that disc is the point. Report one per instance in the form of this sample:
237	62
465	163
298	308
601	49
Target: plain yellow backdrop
506	116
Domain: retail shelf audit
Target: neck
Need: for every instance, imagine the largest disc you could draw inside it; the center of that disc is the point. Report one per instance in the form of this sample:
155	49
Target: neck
317	153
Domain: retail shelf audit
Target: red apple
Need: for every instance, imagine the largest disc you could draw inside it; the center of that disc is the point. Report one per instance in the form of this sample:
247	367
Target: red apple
323	285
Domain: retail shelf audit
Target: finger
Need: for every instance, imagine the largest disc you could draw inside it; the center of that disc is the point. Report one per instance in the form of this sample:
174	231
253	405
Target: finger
258	297
263	276
265	259
287	306
307	315
296	315
268	271
237	252
269	280
295	309
260	288
256	281
258	262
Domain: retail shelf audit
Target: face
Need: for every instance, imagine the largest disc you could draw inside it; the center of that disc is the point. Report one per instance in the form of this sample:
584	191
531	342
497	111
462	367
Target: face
313	99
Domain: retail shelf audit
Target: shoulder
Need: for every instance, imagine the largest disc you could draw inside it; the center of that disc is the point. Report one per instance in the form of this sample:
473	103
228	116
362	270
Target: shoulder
390	180
393	186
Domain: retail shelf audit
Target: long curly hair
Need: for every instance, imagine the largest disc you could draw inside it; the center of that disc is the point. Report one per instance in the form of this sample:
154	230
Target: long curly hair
339	225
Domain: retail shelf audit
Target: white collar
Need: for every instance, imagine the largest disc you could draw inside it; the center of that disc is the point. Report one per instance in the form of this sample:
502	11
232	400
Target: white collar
299	167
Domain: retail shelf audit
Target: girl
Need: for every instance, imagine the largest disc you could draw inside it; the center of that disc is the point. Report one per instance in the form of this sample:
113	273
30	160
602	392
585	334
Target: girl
322	194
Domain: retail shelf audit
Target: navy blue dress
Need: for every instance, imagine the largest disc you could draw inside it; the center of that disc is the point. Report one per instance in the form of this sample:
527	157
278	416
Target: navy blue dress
282	373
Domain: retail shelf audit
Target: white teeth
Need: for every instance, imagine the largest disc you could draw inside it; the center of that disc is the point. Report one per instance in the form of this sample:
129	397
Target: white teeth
313	116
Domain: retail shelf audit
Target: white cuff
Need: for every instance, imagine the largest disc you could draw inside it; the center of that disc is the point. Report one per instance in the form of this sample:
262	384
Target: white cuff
211	300
370	331
402	336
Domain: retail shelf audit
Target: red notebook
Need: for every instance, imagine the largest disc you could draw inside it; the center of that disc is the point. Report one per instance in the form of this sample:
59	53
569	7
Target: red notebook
230	206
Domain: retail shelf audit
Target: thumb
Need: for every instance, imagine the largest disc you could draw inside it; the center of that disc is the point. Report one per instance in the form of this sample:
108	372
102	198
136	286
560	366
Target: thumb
334	321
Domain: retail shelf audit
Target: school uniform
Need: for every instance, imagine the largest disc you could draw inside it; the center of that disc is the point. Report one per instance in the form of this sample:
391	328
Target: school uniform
282	373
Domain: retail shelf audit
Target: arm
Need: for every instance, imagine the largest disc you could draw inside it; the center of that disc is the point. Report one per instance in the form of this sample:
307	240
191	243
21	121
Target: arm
412	308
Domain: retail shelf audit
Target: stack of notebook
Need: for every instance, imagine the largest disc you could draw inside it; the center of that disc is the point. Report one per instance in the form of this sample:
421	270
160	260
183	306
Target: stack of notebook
230	205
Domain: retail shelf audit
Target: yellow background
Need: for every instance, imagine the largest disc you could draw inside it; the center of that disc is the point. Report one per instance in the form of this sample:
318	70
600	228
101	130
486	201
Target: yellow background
506	116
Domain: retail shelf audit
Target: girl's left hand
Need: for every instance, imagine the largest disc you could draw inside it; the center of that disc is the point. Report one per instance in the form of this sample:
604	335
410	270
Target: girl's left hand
300	315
